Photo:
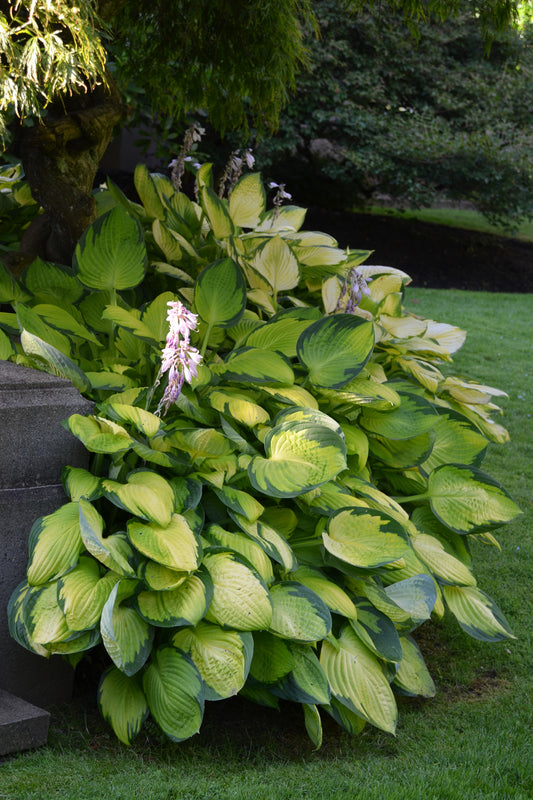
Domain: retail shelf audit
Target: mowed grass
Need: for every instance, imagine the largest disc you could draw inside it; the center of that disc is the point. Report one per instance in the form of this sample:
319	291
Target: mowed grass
474	741
454	218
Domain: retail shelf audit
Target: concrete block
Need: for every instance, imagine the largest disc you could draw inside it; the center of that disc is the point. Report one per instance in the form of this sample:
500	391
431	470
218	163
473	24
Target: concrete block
23	726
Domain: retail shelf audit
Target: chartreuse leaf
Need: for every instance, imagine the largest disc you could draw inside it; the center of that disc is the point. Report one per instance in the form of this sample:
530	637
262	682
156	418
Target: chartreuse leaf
173	545
477	614
57	362
217	212
184	605
146	189
146	494
44	620
39	331
247	201
272	659
79	483
160	578
99	435
252	552
335	349
60	318
55	544
281	334
299	457
15	615
126	636
220	294
111	254
313	724
416	595
440	558
83	592
240	502
331	593
413	417
454	434
221	656
238	406
252	365
113	551
122	703
306	682
365	538
298	613
276	263
175	693
240	597
269	539
357	680
377	631
467	500
412	677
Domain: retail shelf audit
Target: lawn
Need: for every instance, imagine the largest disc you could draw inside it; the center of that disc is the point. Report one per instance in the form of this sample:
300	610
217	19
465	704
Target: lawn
474	741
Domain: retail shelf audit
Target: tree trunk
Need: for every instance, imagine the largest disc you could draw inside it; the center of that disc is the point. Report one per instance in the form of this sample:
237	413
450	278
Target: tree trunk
60	156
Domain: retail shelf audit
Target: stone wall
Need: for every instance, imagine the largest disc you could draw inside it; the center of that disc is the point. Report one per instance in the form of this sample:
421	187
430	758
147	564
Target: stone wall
34	447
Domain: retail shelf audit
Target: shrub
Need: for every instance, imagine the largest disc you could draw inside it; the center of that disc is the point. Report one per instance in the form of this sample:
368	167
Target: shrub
276	520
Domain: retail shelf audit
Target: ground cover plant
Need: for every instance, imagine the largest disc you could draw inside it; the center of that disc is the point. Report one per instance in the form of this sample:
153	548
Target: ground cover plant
281	501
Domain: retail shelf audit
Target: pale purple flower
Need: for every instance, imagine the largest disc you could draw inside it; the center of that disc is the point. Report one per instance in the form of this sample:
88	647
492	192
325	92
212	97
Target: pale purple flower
178	358
355	286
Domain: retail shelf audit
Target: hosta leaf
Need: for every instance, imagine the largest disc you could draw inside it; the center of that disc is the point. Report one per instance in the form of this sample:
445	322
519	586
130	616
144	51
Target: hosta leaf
220	293
276	263
453	435
55	544
185	605
221	657
439	557
345	717
99	435
122	703
467	500
6	348
335	349
239	407
286	218
377	631
412	677
39	331
160	578
252	552
313	724
365	538
293	395
15	615
111	254
300	457
298	613
247	201
272	658
146	189
113	551
240	597
402	454
477	614
173	545
414	417
306	682
357	680
60	318
83	592
79	483
281	335
416	595
126	636
129	320
174	690
217	212
240	502
252	365
52	282
269	539
333	595
43	617
146	494
57	363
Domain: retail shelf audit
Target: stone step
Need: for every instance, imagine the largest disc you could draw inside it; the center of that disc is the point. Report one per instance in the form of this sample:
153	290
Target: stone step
23	726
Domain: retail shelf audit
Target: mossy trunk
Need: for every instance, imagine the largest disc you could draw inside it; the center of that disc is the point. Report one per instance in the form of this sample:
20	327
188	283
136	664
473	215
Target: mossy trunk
60	156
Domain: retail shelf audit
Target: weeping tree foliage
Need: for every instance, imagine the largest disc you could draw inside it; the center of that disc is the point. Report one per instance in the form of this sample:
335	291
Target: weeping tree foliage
68	64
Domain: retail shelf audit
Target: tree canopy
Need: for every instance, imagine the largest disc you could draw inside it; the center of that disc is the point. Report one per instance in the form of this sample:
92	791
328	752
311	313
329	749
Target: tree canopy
71	64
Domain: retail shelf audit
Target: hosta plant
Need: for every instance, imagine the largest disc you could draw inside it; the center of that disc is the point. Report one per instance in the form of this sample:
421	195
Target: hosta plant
284	484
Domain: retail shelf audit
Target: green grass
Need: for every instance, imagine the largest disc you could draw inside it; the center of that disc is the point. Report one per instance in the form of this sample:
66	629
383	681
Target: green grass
455	218
474	741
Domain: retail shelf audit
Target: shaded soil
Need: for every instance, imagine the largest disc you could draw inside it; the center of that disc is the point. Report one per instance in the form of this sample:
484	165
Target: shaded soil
434	256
